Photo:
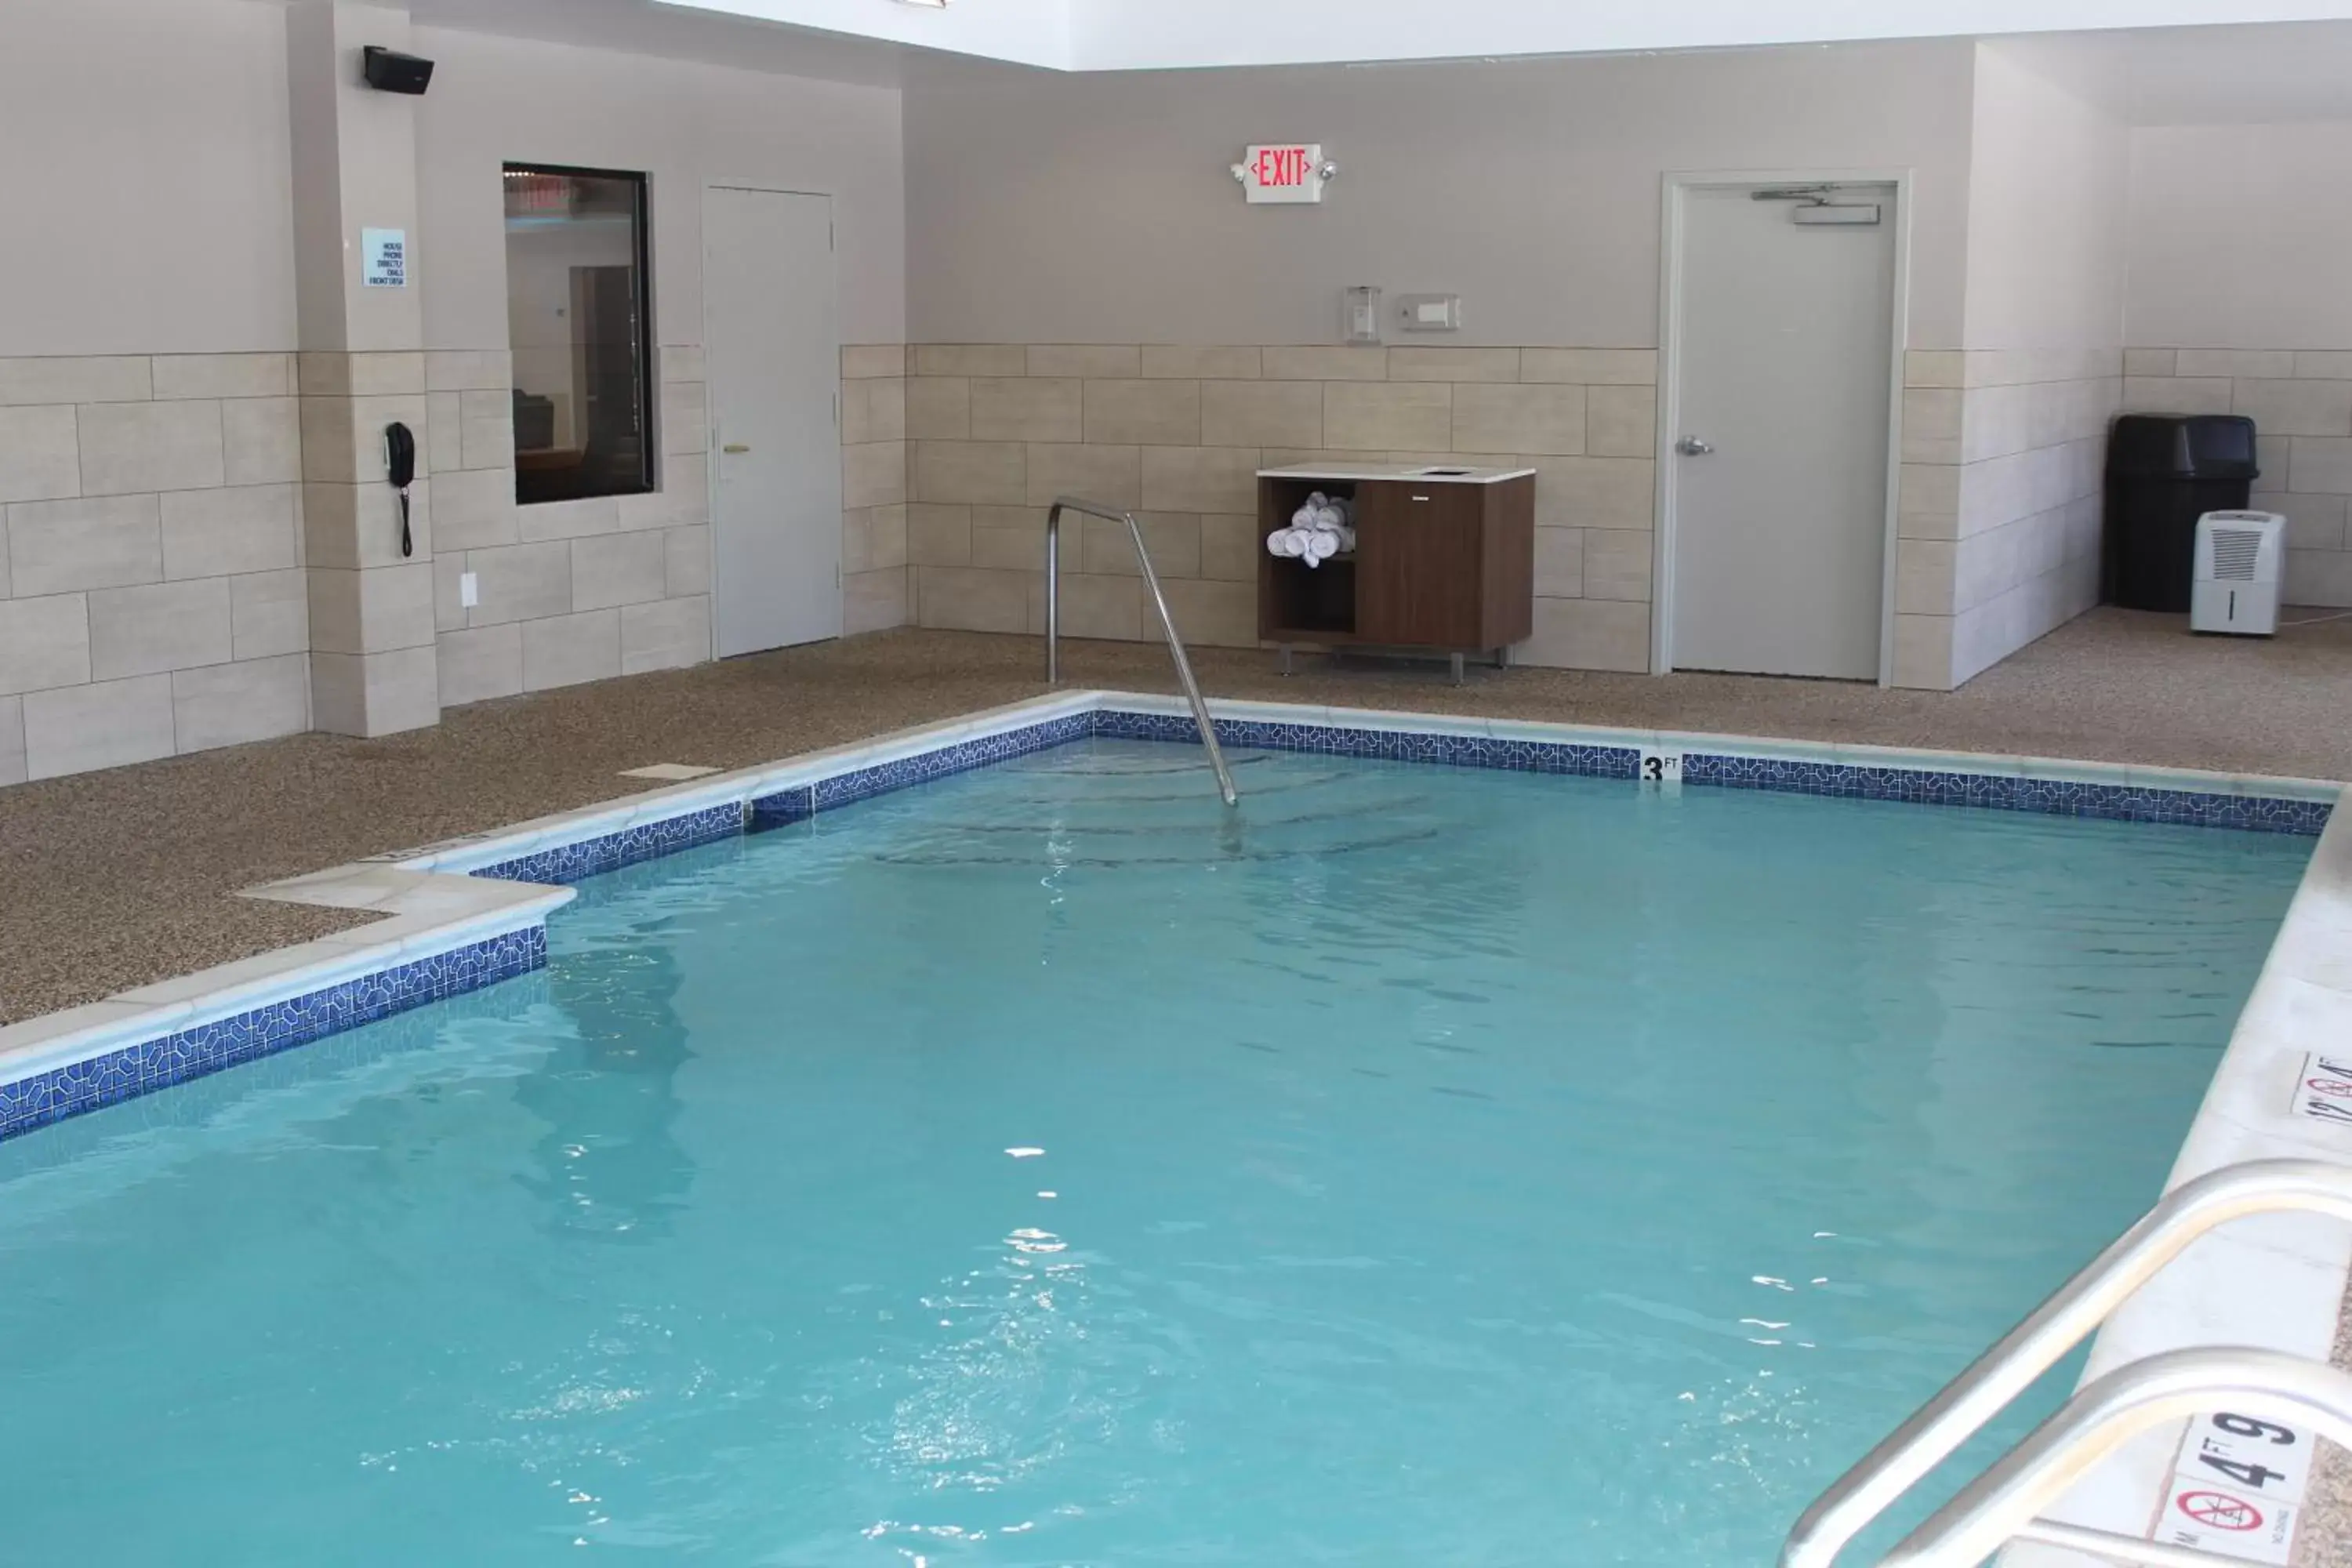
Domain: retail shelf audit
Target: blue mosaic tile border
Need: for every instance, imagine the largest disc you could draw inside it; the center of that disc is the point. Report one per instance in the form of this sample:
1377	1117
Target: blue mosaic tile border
1996	792
134	1070
1396	745
782	809
568	863
1992	792
139	1069
142	1069
961	757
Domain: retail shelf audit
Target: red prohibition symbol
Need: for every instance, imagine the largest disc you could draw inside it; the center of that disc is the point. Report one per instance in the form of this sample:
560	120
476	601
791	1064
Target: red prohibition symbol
2220	1510
2337	1087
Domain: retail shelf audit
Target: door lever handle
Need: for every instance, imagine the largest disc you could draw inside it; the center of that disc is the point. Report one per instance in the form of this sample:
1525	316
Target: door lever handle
1692	447
733	446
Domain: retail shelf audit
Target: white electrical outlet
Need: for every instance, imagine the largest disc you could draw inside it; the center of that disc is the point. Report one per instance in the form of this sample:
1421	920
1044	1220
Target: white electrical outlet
469	590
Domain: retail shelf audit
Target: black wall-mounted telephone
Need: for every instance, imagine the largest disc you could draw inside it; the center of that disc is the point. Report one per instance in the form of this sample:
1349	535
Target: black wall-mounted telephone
400	465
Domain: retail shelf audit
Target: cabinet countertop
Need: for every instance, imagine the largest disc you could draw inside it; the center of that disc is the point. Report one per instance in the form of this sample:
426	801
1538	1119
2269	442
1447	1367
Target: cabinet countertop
1405	473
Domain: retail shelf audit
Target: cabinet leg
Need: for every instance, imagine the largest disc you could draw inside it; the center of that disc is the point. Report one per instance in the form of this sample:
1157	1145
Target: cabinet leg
1456	660
1283	654
1503	657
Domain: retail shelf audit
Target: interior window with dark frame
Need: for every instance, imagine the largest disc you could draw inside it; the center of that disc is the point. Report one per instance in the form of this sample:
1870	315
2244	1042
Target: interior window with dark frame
579	328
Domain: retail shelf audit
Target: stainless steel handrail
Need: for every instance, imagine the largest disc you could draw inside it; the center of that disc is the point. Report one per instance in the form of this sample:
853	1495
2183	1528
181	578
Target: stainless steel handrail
1159	602
2071	1312
2003	1504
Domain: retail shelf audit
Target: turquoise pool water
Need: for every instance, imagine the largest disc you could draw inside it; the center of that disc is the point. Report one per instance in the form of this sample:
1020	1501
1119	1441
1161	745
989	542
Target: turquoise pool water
1038	1168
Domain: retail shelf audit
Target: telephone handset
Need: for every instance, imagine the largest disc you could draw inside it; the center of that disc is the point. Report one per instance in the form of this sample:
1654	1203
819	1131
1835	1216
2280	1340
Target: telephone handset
400	466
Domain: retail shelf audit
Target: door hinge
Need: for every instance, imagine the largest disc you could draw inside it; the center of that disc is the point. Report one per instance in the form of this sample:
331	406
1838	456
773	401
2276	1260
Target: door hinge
836	408
828	236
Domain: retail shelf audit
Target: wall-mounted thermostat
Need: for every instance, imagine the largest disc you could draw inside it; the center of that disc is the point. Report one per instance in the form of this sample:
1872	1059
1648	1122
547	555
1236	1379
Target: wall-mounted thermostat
1430	312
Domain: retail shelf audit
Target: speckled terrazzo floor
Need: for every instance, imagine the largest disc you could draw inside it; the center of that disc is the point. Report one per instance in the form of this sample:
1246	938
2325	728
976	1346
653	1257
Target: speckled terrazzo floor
121	878
2323	1537
117	878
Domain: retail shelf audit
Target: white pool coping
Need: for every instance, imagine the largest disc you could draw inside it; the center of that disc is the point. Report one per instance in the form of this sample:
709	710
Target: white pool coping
2275	1282
474	851
434	919
2269	1281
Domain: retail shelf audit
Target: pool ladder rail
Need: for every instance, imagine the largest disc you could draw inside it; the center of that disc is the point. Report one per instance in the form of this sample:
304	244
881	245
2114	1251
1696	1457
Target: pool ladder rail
2005	1503
1159	602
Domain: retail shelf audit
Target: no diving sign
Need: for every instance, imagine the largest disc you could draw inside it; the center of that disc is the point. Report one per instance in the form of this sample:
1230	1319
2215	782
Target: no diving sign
2237	1487
2220	1510
2322	1091
2204	1519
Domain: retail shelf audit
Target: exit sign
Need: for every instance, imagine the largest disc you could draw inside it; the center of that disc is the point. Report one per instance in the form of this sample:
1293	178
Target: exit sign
1283	172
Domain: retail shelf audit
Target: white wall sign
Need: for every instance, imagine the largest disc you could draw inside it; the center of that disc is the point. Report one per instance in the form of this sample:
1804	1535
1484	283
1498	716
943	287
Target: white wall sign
2237	1488
384	257
1284	172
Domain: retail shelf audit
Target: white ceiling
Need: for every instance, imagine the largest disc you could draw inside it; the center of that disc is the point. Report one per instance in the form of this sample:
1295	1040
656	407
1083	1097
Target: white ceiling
1149	34
1118	35
2238	73
646	27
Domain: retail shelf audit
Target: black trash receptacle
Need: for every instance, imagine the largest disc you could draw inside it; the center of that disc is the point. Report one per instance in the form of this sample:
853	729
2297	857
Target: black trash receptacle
2164	472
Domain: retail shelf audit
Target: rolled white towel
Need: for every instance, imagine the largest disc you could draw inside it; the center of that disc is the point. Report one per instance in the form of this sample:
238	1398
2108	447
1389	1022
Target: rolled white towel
1347	538
1305	517
1321	546
1346	509
1330	519
1276	542
1289	542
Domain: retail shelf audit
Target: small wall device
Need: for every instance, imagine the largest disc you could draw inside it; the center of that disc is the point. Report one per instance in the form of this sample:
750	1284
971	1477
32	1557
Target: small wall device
389	70
1430	312
400	468
2236	587
1360	315
1817	207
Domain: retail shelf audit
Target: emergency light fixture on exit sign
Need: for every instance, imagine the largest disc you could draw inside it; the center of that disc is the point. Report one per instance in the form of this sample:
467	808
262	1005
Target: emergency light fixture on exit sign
1284	172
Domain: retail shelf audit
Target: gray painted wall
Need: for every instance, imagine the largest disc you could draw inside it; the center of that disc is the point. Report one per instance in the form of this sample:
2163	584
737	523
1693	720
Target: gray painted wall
1050	209
143	151
499	99
2239	236
2048	193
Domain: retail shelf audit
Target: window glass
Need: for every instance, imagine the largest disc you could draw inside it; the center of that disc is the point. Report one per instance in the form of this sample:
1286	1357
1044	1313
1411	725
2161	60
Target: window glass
577	322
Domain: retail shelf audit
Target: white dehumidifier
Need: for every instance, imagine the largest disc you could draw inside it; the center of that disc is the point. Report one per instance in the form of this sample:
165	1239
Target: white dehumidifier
2236	590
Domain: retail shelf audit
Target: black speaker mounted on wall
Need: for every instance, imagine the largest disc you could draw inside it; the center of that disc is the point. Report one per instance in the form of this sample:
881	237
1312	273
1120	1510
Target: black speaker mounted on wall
394	72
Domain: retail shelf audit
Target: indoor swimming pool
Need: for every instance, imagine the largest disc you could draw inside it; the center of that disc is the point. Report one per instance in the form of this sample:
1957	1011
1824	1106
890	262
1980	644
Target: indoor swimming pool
1044	1166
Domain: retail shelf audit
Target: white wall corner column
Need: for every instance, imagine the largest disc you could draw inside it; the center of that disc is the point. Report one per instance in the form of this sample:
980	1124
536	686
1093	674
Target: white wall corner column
362	368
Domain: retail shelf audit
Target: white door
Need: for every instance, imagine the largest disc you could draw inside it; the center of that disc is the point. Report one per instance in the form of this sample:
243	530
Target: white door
1783	358
773	348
